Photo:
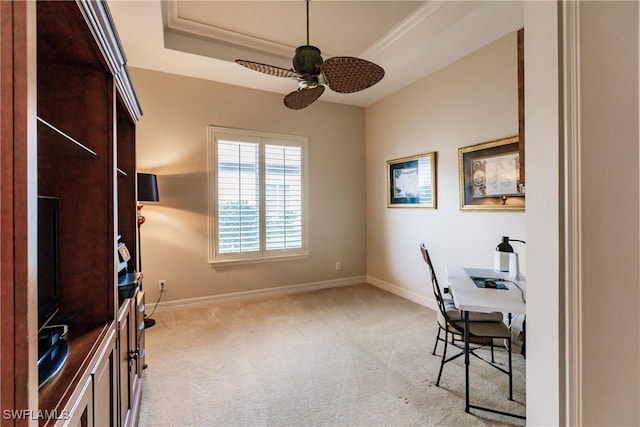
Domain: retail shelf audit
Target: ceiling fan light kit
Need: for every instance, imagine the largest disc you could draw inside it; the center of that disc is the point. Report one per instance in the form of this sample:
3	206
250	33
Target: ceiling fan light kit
342	74
307	60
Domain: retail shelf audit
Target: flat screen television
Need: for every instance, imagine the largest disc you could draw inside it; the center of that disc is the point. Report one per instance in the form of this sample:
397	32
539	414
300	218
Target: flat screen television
48	287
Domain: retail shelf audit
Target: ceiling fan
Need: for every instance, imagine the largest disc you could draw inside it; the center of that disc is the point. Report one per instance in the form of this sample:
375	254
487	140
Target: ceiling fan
343	74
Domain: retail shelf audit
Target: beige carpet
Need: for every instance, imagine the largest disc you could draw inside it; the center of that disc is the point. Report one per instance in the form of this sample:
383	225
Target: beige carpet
350	356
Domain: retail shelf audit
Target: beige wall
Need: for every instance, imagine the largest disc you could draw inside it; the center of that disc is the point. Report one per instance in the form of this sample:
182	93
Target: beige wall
543	167
574	346
610	245
172	142
471	101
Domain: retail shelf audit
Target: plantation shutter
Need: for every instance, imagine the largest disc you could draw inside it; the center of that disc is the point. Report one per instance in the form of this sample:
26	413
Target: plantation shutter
283	197
257	202
238	197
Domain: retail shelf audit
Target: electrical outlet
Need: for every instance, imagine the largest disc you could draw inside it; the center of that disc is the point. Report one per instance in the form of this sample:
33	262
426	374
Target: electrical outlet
338	266
162	285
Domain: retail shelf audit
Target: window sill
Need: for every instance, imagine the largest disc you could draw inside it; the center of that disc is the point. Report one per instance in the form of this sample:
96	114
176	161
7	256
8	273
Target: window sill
234	262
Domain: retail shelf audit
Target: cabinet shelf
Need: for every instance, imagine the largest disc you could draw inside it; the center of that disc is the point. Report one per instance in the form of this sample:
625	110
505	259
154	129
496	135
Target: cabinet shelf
82	348
75	146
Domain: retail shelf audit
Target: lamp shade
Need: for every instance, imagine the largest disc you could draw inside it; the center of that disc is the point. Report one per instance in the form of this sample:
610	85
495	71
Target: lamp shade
147	188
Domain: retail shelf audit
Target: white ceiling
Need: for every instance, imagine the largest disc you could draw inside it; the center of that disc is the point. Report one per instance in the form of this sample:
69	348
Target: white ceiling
409	39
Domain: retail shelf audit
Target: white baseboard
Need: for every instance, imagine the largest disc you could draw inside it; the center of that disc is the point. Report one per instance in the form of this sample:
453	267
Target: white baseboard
258	294
402	292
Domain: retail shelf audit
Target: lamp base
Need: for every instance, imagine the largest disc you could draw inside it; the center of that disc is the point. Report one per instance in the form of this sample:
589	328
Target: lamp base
148	322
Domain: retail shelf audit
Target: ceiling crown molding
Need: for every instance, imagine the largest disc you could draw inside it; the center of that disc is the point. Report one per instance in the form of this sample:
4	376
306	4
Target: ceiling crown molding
430	15
177	23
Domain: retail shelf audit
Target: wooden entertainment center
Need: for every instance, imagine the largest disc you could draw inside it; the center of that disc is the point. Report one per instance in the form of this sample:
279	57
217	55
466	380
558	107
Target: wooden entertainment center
68	132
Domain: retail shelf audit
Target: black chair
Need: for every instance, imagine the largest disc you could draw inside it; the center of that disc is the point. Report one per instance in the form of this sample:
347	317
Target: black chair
483	328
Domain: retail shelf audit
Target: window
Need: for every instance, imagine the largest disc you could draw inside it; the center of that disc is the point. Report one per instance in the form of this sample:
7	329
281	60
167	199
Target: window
258	196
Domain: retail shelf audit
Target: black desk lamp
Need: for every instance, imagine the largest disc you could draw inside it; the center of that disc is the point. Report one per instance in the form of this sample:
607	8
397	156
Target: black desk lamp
147	192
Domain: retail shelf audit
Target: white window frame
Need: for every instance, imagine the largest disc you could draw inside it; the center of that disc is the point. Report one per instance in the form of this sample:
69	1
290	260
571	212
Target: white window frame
262	138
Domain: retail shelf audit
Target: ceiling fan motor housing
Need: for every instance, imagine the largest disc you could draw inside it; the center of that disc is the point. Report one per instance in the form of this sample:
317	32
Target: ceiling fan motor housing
307	60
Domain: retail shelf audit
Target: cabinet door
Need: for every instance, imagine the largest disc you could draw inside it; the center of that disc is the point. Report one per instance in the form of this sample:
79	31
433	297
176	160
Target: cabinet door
133	340
140	299
124	360
81	414
135	381
105	385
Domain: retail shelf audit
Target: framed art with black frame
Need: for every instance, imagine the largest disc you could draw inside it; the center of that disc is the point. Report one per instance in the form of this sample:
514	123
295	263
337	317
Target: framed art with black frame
490	176
411	182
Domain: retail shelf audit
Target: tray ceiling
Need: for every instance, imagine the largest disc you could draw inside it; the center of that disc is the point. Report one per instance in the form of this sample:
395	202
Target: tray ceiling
409	39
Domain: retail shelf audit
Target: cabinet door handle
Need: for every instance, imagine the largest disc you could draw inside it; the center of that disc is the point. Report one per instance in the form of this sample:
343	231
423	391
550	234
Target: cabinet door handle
141	308
141	325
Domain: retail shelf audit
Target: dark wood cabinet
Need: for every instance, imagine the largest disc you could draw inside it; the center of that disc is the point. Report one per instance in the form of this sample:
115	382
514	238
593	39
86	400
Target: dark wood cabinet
131	345
68	132
140	342
125	360
105	383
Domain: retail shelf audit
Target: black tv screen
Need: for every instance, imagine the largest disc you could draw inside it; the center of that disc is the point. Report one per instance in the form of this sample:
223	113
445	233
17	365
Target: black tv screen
47	259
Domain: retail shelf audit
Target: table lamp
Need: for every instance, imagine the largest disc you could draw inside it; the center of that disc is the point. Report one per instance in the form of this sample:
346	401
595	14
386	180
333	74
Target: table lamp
505	259
501	255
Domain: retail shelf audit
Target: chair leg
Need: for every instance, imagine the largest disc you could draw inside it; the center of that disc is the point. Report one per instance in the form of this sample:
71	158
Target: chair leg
493	360
523	351
510	372
444	356
437	339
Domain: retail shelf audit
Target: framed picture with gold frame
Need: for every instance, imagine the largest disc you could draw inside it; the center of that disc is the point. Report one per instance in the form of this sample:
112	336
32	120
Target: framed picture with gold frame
411	182
490	176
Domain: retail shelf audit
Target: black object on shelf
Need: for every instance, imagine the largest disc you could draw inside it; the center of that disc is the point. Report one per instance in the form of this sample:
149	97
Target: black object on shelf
52	361
53	351
127	285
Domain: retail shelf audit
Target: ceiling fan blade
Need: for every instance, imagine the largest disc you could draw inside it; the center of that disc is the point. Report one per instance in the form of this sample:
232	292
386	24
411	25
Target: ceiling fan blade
272	70
346	74
302	98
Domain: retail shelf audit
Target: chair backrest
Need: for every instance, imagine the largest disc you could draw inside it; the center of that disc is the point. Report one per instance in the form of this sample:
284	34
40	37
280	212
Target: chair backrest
434	283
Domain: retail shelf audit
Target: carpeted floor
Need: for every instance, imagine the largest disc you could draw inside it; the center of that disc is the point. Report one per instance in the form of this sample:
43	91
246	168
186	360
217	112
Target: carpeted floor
349	356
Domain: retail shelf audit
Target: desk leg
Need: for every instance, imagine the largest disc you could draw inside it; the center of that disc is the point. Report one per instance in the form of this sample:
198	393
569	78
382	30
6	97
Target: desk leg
466	361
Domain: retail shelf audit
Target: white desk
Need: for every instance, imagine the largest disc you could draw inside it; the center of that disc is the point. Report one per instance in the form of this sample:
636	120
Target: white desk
469	297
